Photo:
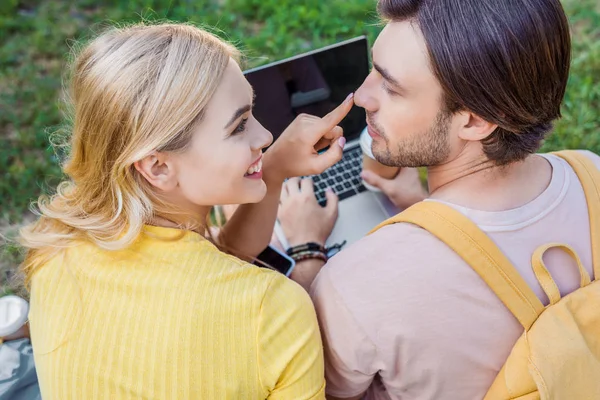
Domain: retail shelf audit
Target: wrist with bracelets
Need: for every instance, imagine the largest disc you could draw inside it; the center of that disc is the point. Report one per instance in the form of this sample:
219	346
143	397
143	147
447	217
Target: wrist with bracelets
308	251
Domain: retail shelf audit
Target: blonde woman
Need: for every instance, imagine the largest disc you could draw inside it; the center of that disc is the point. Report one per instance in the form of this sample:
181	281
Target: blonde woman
129	299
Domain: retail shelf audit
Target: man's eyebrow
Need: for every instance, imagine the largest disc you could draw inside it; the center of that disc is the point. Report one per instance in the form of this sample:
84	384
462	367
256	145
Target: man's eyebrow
388	77
241	111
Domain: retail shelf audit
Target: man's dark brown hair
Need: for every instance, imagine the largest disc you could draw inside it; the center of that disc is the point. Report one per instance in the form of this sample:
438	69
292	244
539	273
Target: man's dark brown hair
504	60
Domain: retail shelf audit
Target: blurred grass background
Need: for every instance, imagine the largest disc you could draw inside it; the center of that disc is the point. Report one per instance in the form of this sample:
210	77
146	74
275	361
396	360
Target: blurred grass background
35	38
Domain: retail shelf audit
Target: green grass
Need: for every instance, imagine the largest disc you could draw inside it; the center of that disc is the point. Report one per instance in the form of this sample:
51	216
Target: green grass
579	127
35	38
34	44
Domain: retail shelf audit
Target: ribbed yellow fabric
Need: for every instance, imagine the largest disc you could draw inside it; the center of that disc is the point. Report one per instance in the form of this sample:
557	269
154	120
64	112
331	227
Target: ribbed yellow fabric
171	317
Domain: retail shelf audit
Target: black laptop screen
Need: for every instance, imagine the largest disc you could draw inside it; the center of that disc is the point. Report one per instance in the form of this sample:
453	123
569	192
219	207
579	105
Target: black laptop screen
312	84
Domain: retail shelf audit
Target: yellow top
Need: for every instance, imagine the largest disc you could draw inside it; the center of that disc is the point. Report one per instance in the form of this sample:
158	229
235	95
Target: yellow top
171	317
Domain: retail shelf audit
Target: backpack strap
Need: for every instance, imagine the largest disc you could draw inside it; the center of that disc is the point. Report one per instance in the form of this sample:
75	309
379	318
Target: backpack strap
477	250
589	176
543	275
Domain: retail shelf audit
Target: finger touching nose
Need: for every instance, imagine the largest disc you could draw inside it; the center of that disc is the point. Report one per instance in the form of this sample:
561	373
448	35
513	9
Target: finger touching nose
364	96
338	114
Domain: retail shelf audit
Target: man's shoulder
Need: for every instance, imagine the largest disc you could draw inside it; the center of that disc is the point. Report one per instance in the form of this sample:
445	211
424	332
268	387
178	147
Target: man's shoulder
398	251
591	155
394	238
396	281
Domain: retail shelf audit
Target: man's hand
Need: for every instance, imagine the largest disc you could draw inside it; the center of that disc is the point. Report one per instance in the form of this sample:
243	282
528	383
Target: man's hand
303	220
404	190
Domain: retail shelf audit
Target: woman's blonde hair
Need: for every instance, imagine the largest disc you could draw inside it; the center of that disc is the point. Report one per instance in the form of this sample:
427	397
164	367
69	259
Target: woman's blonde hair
133	90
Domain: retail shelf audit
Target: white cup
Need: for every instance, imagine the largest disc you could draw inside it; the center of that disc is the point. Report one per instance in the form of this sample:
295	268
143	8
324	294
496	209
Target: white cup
13	317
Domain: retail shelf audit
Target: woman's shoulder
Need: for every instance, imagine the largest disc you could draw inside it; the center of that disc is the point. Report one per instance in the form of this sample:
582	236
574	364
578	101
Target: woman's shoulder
266	279
271	286
188	262
226	269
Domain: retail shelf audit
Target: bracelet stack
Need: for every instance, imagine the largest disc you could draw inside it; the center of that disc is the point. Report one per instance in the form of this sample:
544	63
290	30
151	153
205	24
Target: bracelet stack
307	251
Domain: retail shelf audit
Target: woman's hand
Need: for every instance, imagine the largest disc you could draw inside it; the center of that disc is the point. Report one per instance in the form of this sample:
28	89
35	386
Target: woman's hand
303	220
295	152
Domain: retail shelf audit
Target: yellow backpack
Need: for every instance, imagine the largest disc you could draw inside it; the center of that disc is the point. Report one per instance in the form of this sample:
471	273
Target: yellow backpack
558	355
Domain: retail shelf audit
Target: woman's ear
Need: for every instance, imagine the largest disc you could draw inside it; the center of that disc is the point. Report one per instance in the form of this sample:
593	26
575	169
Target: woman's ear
474	128
158	171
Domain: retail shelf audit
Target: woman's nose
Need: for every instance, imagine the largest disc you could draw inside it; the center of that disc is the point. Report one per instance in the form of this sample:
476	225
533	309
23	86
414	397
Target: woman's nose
264	138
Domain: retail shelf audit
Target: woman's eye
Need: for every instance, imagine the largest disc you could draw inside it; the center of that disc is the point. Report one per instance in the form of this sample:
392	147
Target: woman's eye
241	127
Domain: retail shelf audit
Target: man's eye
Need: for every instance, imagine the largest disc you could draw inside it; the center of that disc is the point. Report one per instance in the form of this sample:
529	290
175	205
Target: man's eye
241	127
388	90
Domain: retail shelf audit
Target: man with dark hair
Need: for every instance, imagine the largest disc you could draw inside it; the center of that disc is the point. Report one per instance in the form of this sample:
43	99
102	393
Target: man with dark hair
468	89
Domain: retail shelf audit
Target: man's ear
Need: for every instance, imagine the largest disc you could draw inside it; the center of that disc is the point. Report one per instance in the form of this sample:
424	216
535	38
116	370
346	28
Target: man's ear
474	128
158	171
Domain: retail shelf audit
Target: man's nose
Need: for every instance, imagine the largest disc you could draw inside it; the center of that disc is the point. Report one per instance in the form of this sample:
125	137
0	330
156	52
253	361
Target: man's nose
364	96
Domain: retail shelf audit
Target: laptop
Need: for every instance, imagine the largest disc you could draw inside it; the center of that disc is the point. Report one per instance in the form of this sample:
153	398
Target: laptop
315	83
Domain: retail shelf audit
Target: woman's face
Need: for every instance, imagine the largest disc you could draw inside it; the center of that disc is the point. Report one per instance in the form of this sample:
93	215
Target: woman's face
222	164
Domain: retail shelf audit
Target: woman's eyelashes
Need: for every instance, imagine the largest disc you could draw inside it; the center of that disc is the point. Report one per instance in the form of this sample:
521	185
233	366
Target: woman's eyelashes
241	127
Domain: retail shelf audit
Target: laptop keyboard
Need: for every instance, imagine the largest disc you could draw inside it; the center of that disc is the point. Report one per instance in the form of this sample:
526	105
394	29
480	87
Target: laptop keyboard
343	177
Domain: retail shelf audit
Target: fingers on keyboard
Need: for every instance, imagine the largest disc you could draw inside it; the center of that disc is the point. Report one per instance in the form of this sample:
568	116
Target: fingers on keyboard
343	177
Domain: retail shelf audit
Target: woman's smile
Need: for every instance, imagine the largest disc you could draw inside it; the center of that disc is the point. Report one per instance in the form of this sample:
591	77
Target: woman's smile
255	170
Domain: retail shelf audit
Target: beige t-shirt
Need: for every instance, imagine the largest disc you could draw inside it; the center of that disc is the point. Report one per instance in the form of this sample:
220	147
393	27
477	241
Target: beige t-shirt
403	317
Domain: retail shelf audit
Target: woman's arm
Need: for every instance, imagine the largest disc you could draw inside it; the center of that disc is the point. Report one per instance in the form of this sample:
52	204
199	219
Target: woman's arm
295	153
250	228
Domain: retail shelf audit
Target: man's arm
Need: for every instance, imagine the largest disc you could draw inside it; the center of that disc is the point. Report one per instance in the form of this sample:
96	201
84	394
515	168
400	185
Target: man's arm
305	271
351	359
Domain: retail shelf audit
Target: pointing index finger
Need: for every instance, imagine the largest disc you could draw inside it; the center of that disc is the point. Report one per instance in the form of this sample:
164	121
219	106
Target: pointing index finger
336	116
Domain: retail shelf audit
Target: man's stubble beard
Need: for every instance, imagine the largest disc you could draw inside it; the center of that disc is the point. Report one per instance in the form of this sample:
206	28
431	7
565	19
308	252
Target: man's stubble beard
419	150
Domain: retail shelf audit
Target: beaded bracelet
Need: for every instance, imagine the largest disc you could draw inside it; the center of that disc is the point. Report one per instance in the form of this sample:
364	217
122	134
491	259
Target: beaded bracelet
310	246
308	255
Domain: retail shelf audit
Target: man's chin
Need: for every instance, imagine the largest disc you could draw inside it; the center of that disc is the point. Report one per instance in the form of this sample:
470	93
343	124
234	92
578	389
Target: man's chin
394	161
383	156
